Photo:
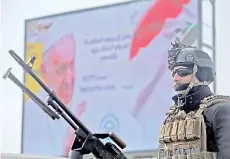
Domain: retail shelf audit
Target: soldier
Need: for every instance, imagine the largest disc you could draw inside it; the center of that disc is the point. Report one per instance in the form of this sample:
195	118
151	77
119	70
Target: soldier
198	124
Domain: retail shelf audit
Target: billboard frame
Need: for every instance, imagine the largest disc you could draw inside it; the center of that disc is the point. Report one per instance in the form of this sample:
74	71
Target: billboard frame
200	43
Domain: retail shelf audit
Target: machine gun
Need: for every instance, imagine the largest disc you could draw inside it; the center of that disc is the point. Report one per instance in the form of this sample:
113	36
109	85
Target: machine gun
85	141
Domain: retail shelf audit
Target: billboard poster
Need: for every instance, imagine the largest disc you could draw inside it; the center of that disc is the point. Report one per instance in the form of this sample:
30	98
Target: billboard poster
109	67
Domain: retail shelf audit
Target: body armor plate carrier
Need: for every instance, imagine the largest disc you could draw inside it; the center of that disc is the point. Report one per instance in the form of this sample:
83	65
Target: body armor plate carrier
183	136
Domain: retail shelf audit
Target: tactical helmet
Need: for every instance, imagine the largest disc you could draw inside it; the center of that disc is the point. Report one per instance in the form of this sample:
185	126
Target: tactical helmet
182	55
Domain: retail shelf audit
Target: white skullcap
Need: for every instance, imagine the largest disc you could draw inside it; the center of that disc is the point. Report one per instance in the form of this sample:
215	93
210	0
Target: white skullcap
60	26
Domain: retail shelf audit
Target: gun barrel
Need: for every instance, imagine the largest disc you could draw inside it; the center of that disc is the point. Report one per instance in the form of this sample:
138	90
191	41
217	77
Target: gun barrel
85	142
28	69
54	105
41	104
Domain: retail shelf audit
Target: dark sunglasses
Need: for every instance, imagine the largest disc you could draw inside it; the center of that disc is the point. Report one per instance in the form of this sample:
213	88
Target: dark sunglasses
182	72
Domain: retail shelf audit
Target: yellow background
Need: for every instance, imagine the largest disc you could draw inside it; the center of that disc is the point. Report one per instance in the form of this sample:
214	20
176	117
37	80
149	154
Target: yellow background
33	49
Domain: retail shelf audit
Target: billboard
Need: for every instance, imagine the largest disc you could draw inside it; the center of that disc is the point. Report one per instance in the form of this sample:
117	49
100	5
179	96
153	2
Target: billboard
109	66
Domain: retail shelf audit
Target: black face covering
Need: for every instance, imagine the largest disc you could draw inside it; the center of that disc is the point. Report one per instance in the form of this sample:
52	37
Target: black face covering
181	87
192	99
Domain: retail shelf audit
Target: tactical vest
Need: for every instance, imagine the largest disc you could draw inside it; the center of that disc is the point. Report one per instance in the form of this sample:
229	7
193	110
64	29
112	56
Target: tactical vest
183	136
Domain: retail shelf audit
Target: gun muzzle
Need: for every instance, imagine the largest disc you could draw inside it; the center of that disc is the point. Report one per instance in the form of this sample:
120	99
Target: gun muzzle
38	101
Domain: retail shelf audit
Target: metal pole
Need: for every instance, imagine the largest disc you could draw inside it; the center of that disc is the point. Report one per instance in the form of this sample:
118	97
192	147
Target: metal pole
214	39
200	21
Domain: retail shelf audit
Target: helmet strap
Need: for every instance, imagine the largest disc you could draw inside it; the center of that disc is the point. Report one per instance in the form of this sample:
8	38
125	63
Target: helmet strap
191	84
